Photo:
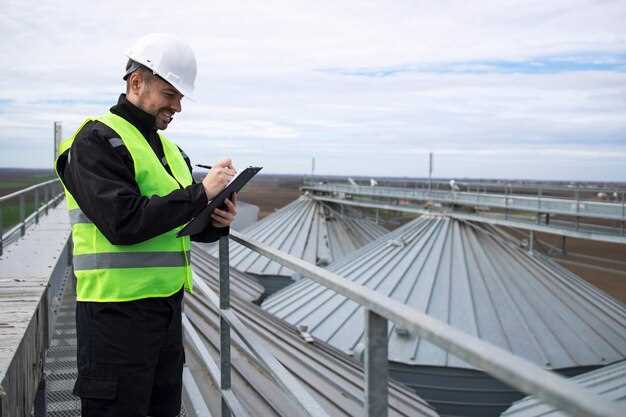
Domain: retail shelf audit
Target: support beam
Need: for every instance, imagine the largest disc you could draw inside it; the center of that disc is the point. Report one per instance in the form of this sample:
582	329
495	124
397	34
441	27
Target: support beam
376	365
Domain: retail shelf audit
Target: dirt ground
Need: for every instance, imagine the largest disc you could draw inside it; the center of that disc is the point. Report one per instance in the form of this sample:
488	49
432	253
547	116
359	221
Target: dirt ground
271	192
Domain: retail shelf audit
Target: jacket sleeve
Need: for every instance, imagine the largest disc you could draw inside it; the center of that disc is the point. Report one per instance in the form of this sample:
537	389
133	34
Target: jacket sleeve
103	184
210	234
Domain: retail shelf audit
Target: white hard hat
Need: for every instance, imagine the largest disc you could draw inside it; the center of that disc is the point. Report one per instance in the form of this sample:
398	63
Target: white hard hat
168	57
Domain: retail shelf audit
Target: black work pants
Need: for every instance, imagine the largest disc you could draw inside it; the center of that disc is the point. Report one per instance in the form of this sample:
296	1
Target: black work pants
130	357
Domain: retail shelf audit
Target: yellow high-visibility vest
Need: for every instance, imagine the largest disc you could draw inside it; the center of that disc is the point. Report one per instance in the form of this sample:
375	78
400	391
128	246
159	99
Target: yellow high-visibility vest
157	267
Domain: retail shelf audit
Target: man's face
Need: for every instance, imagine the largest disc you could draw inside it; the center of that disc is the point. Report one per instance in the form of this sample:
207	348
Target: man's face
158	98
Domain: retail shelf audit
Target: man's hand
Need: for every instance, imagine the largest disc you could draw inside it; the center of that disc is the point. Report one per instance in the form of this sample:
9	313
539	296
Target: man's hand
218	177
224	218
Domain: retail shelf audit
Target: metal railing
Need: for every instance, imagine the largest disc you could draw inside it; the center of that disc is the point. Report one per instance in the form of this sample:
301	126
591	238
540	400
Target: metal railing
379	309
43	196
559	227
221	376
509	202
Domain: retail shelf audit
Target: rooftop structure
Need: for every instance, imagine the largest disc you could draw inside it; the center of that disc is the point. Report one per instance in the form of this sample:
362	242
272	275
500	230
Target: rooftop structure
305	228
242	285
478	282
608	382
41	259
503	209
334	379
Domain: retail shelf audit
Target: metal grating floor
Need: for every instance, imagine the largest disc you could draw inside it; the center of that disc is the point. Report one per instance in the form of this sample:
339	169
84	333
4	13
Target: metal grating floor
61	360
60	366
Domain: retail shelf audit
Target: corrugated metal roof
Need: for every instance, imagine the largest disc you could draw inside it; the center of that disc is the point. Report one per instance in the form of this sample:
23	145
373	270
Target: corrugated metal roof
473	280
305	228
242	285
608	382
333	379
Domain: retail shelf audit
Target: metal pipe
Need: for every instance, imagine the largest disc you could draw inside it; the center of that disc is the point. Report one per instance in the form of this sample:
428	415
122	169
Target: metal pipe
225	380
513	370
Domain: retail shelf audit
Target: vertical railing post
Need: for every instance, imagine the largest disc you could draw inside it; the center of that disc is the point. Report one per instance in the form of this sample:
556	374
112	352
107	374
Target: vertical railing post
70	251
46	197
1	231
40	407
376	365
539	195
577	207
506	203
36	198
22	215
623	212
225	382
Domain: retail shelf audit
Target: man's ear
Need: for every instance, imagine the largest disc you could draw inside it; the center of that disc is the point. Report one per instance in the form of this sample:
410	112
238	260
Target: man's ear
135	82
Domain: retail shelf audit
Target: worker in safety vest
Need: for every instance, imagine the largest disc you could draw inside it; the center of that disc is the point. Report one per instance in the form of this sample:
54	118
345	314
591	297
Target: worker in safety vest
129	190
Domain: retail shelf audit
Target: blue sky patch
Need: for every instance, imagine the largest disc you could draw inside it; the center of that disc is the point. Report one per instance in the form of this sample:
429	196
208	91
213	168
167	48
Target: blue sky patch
542	65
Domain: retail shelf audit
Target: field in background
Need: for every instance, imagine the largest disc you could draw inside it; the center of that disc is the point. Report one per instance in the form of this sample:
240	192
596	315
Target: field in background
12	180
271	192
602	264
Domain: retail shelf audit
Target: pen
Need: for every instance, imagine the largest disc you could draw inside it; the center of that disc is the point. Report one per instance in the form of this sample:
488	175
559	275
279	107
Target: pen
204	166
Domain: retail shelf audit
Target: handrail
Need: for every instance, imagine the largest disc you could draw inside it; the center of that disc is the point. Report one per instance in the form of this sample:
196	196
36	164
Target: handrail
26	190
266	359
229	320
610	210
50	199
513	370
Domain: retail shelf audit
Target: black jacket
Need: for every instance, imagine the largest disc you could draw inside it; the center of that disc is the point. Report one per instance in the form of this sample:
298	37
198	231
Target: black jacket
100	175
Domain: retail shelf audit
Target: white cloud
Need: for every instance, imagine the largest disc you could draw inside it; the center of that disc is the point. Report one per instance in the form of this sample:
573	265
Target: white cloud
263	97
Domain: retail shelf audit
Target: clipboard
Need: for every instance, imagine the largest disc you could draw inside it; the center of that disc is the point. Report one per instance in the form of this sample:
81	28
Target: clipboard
203	219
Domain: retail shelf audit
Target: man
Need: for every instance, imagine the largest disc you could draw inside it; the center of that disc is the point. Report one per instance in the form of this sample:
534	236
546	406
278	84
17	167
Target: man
129	190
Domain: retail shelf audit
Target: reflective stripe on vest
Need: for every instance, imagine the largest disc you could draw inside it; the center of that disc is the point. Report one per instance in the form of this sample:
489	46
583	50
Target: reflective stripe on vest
77	216
157	267
130	260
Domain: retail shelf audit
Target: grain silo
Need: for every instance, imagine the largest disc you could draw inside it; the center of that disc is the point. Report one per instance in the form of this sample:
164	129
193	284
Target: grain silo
332	378
306	228
479	283
242	285
608	382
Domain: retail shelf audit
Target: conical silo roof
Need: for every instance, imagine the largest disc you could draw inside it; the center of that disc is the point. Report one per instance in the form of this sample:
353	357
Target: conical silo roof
242	285
308	229
477	282
334	380
608	382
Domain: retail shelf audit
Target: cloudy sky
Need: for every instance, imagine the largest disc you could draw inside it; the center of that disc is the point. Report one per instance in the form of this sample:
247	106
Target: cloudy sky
498	89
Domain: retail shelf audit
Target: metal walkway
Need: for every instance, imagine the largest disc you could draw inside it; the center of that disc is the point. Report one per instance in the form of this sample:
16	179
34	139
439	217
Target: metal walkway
557	227
60	366
509	202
